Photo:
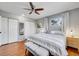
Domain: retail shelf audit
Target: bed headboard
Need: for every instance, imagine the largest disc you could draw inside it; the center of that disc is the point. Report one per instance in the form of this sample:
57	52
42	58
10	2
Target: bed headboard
52	23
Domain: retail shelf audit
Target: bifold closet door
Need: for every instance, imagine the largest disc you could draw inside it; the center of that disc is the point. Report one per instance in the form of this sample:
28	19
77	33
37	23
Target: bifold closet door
4	30
13	30
0	30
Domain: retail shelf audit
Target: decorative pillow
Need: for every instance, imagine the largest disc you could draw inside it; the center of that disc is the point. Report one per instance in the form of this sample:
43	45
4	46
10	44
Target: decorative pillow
56	27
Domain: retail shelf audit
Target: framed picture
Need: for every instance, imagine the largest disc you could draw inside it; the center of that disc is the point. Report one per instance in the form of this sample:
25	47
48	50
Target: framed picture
56	23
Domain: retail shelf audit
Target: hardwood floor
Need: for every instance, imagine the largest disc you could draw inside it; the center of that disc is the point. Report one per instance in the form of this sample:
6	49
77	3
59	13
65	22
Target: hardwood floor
72	51
18	49
13	49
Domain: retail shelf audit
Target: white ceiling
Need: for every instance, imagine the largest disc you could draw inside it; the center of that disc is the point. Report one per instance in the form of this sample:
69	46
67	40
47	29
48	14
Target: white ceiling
50	8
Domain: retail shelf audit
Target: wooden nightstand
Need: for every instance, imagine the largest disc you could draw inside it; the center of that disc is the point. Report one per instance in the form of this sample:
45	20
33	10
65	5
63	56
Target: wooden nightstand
73	42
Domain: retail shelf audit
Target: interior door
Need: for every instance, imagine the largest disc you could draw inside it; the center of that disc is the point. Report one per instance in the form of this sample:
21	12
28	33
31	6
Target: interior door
4	30
13	30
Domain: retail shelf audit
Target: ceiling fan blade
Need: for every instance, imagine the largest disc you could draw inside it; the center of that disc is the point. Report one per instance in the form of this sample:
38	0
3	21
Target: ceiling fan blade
31	12
37	12
39	9
26	9
32	6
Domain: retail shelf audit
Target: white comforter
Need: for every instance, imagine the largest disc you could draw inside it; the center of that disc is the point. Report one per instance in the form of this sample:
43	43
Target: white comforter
54	43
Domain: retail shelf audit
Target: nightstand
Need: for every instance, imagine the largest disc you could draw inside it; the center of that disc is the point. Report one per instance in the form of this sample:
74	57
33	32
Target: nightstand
73	42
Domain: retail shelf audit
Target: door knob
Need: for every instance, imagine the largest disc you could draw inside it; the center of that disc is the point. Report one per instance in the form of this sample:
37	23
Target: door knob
0	32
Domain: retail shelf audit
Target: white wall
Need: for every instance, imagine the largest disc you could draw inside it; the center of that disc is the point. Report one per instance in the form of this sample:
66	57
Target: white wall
29	26
74	22
46	23
71	22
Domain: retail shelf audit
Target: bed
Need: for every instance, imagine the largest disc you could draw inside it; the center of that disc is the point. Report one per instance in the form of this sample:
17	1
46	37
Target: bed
54	42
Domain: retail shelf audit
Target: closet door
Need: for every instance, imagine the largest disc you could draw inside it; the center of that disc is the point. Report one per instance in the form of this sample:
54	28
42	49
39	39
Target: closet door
29	28
0	30
4	30
13	30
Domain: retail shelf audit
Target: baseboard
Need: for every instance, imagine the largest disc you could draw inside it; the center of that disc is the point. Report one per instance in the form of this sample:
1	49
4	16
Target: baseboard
10	43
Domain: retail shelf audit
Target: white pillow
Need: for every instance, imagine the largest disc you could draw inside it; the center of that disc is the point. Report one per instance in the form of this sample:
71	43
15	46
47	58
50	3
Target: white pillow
57	32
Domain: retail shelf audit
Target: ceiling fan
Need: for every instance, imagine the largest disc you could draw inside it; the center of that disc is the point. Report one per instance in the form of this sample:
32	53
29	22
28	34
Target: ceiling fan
33	9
